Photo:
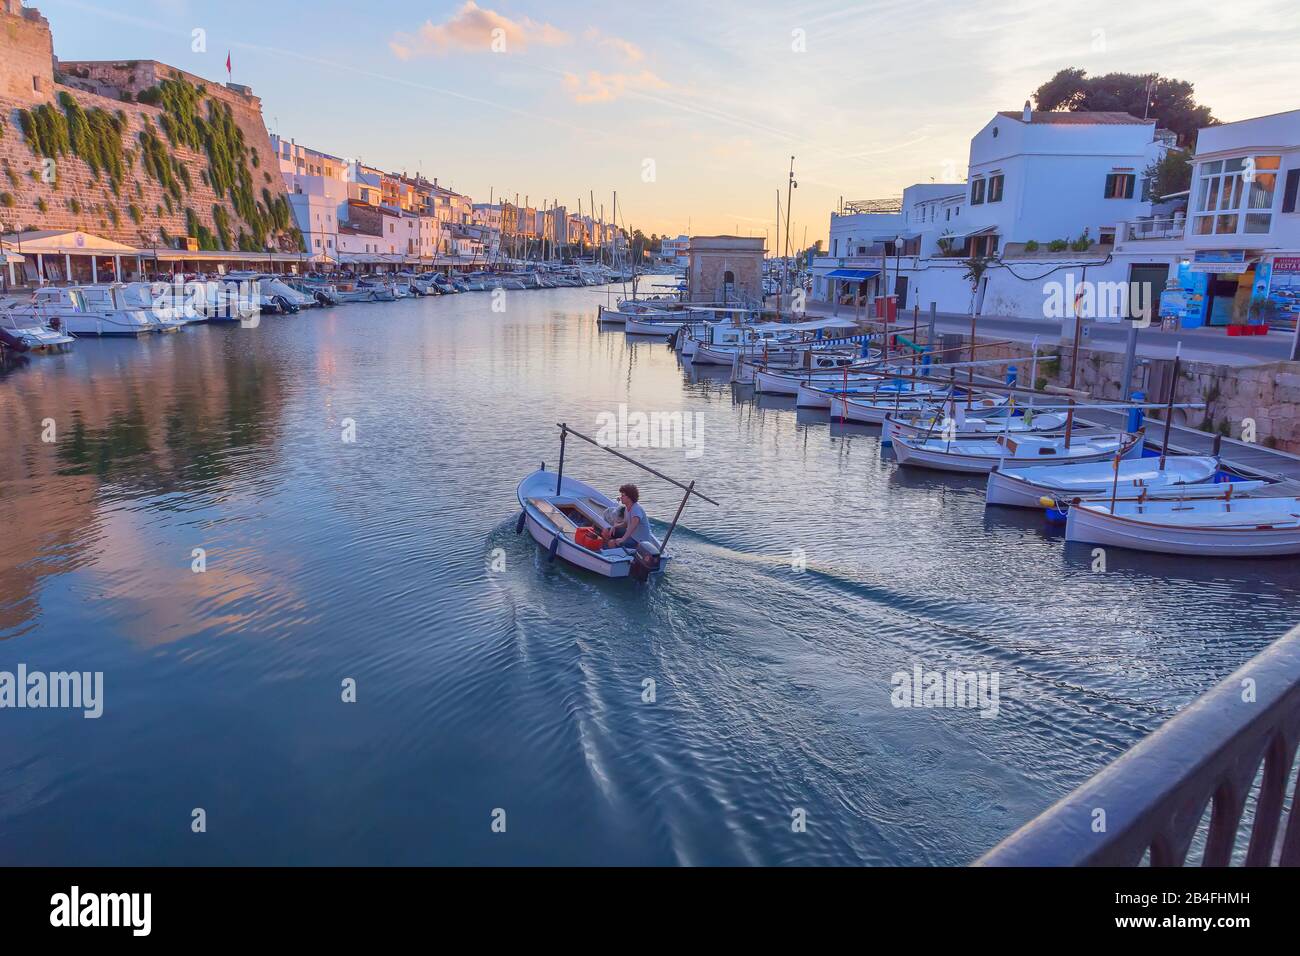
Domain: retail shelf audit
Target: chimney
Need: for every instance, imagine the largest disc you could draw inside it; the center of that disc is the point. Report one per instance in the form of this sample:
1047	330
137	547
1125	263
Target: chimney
1028	114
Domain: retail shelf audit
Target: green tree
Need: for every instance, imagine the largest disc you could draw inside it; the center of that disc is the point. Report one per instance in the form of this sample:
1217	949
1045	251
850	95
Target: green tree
1172	103
1170	174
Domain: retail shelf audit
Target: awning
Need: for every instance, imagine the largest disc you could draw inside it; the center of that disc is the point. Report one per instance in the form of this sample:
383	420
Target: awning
163	254
853	275
985	231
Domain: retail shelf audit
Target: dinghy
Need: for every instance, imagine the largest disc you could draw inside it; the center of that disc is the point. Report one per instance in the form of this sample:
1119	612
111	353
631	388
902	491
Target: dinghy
979	456
1027	487
566	516
1223	527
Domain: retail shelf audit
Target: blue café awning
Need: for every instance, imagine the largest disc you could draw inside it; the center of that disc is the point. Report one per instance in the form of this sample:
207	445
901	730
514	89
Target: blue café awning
853	275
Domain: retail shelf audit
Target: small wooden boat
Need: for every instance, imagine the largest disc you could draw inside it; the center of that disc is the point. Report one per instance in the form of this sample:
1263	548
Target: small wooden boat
612	316
1026	487
818	390
660	324
554	509
979	456
1222	527
992	419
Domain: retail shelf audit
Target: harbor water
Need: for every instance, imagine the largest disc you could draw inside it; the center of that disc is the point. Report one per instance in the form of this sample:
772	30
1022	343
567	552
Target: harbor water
237	526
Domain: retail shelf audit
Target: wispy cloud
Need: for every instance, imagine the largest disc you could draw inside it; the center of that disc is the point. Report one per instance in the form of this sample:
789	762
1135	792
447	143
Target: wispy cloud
596	87
474	29
624	48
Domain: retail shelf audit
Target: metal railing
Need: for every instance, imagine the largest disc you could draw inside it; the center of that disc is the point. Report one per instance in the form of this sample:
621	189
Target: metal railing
1135	230
1154	797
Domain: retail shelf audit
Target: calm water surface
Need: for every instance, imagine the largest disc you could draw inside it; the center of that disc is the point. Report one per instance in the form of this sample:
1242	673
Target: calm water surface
521	689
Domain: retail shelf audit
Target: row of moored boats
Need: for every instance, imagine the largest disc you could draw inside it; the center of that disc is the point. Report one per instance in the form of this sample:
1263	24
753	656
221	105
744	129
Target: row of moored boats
51	318
1035	448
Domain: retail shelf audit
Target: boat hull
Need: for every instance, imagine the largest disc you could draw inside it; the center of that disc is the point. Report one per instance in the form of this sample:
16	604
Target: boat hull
1016	488
1095	525
912	453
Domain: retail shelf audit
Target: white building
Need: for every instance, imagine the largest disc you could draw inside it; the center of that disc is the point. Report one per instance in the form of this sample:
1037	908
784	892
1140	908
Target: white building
1239	244
1044	190
317	185
674	252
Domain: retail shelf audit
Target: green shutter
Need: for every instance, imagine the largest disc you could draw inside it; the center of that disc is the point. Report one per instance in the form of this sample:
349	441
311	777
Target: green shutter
1110	185
1128	186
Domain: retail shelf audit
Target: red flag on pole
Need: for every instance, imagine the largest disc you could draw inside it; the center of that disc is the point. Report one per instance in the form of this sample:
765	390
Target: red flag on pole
227	63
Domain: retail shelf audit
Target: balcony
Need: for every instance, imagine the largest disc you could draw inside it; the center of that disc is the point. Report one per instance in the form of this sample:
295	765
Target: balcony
1137	230
1232	750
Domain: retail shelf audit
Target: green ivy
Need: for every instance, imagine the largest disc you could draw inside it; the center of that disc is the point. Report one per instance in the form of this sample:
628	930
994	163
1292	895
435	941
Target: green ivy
96	137
222	221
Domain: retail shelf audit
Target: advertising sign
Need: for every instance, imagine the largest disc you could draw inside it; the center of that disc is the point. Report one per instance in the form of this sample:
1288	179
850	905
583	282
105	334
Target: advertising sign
1219	260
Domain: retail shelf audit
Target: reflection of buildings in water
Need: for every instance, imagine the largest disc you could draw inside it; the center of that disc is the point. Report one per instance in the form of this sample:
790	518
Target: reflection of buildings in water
193	413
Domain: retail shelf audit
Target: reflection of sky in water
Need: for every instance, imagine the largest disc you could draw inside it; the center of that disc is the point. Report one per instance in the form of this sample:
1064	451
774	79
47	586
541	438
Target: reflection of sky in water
522	689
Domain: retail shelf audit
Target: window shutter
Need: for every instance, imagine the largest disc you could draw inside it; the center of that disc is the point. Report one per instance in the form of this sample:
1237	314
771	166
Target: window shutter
1292	187
1128	186
1110	185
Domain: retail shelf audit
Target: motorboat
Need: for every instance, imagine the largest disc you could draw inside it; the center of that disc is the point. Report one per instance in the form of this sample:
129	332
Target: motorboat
25	333
65	309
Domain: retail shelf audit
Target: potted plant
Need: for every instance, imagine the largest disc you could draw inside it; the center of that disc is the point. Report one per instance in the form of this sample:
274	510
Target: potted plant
1260	314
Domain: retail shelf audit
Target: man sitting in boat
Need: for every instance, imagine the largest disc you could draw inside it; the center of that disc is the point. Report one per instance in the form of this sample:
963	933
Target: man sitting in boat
636	525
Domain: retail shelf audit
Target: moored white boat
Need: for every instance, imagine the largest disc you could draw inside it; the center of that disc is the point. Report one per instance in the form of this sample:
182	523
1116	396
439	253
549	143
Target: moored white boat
29	334
1223	527
661	324
986	417
65	309
816	390
978	456
1026	487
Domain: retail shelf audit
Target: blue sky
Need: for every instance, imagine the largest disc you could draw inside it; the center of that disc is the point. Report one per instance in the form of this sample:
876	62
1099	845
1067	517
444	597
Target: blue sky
691	110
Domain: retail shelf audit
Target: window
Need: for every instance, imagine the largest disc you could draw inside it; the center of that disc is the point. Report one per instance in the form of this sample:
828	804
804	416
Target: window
1120	185
1236	195
995	188
1289	193
977	192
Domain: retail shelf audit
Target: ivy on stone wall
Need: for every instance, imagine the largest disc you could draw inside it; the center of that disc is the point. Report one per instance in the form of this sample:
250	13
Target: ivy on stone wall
46	131
94	136
222	221
158	163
